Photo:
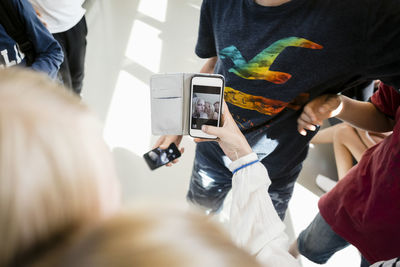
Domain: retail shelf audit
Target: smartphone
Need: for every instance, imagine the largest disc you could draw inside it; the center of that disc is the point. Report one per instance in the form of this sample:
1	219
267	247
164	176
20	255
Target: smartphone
206	95
158	157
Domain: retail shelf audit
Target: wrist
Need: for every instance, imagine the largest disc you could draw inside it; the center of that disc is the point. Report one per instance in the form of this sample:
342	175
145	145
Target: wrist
244	151
339	111
243	162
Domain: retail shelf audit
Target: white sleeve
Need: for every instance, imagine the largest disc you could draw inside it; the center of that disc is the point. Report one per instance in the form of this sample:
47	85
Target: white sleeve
254	223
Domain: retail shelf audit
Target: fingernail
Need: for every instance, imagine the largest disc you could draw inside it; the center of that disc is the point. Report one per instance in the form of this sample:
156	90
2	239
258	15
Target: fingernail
204	128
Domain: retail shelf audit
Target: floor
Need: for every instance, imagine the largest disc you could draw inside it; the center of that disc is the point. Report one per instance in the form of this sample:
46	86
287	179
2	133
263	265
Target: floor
128	41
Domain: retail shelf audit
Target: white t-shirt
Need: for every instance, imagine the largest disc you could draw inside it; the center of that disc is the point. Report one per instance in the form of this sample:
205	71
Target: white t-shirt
60	15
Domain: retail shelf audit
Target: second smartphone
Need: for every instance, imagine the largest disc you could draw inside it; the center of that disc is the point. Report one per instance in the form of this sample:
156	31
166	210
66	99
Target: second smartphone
159	157
206	95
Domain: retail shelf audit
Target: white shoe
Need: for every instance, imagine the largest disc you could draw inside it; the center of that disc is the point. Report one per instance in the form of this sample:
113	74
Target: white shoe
325	183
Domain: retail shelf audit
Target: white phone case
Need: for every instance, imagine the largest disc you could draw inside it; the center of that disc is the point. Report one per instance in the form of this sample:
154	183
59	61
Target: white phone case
170	102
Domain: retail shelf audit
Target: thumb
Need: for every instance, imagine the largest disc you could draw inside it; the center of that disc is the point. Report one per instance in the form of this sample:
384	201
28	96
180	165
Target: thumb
212	130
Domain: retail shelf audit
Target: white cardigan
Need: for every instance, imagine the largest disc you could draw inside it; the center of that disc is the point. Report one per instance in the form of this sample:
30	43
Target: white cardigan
254	223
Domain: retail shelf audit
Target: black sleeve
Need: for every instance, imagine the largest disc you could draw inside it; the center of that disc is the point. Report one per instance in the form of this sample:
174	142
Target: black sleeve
205	47
383	41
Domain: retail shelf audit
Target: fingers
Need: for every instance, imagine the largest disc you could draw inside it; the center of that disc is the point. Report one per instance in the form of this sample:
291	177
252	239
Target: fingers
175	161
211	130
199	140
309	115
164	141
302	126
167	141
169	164
225	113
225	108
159	141
165	145
302	131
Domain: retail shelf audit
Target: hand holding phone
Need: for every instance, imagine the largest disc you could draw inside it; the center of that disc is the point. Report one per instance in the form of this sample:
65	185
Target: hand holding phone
158	157
206	95
230	138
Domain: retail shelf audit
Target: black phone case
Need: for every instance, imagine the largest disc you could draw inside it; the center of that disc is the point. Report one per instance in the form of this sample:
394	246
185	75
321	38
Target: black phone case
154	165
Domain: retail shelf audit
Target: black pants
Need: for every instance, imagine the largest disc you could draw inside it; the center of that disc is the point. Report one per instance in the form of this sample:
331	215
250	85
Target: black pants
73	43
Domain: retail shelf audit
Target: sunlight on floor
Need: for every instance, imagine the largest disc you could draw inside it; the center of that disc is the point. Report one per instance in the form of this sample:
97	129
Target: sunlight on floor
147	8
303	208
128	121
145	46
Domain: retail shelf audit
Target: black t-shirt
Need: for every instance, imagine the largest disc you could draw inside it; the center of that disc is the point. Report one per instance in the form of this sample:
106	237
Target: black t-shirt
275	59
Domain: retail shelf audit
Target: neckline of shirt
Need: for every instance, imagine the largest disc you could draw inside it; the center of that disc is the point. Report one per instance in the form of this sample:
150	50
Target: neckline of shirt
285	7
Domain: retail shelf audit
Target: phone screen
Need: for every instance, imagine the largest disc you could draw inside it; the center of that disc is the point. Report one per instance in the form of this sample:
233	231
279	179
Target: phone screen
205	106
159	157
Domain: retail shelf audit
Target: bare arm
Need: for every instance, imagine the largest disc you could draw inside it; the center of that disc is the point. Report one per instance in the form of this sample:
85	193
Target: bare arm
360	114
254	223
364	115
209	65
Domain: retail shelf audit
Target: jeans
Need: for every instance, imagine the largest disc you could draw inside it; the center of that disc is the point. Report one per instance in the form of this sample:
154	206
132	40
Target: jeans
318	242
73	43
211	179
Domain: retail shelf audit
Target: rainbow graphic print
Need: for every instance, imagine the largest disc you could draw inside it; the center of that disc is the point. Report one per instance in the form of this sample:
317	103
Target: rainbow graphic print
258	67
261	104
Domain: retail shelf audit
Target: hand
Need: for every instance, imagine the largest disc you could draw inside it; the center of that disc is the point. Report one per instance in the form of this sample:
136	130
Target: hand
164	141
230	138
317	110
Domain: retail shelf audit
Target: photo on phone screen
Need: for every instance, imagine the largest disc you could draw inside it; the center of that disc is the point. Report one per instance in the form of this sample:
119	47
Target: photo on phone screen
159	157
206	101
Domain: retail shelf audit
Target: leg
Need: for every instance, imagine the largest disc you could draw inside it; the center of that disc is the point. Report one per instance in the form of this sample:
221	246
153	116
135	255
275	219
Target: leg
318	242
325	136
73	43
346	145
280	196
64	72
211	180
77	38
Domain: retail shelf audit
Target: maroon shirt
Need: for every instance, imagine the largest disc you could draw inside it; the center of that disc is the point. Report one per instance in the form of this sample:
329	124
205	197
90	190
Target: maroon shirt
364	207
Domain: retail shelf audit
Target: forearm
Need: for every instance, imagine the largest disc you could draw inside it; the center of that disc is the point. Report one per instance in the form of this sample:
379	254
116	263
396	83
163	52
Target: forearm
209	66
49	55
49	62
364	115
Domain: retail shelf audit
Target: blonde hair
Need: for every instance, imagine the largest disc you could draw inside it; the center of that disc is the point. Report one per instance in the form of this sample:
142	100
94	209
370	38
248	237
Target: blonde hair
167	237
55	171
211	110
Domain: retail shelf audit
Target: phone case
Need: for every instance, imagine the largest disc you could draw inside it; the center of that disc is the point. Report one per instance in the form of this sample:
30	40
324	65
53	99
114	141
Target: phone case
157	162
170	102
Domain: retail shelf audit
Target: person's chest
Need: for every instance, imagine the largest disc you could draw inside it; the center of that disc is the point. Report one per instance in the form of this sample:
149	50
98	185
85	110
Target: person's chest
283	55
